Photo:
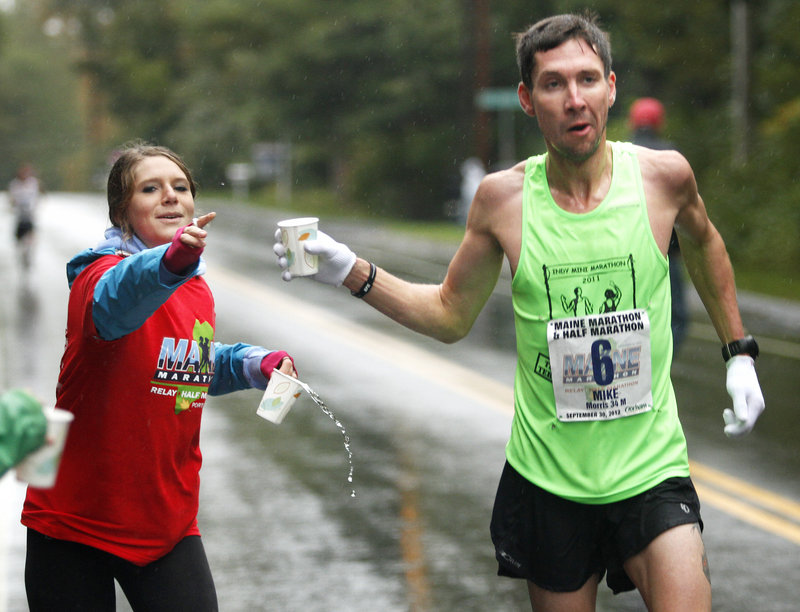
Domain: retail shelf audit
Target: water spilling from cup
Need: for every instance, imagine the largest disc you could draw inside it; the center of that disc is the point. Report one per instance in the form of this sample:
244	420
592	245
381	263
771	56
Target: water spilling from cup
280	395
346	439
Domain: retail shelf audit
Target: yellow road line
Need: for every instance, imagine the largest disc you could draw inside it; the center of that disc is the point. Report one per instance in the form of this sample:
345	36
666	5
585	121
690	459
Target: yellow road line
412	549
742	489
749	514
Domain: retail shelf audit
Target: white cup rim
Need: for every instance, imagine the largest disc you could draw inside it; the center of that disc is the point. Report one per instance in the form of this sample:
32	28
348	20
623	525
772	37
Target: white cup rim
300	221
59	415
291	379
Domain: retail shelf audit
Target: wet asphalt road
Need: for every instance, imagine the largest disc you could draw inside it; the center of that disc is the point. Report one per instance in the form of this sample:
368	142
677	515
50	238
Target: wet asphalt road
427	424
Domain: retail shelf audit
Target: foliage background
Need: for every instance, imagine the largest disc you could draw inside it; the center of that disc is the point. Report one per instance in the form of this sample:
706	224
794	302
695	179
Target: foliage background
377	99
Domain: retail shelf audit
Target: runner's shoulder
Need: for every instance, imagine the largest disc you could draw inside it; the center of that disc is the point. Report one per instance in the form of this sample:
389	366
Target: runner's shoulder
503	184
667	169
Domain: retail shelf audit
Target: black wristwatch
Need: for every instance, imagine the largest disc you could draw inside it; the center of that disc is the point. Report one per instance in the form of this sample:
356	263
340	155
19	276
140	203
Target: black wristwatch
737	347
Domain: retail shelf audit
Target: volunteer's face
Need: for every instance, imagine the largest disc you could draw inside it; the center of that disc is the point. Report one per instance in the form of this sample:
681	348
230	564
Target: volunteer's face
570	99
162	200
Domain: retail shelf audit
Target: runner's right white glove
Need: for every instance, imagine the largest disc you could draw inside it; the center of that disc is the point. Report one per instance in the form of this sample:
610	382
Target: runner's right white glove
335	259
748	401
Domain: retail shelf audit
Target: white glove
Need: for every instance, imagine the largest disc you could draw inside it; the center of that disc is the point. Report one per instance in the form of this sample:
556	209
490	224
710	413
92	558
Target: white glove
748	401
335	259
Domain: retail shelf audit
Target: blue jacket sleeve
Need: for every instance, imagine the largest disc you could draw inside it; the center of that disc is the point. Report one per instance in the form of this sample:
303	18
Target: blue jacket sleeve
237	367
127	294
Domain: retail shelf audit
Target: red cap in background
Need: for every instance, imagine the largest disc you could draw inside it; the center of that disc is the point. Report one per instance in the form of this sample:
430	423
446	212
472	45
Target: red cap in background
647	112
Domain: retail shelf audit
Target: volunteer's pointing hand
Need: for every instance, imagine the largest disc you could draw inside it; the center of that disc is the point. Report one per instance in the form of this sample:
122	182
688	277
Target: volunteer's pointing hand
335	259
187	245
748	401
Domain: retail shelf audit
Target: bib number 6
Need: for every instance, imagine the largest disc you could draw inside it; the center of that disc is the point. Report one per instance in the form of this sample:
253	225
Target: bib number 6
602	364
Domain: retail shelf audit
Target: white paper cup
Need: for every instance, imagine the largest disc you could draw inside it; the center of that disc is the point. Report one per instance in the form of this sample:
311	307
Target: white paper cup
293	233
40	468
280	394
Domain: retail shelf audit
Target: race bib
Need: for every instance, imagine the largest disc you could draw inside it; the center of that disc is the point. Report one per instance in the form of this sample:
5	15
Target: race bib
601	365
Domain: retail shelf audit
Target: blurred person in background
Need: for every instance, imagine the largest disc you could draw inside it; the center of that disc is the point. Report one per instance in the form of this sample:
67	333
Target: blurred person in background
646	120
596	480
24	192
472	173
140	359
22	427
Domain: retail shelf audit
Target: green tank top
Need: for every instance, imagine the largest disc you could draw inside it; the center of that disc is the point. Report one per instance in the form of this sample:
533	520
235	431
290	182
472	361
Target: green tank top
595	417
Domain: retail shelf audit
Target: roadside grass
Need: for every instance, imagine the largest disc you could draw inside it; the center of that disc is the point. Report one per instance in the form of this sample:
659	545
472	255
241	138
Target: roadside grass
768	283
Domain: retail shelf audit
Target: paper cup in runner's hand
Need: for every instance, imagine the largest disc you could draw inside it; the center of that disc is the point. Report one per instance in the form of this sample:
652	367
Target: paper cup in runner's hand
294	232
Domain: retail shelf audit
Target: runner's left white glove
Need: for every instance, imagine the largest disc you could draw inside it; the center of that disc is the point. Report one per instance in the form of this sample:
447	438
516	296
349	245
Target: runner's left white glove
748	401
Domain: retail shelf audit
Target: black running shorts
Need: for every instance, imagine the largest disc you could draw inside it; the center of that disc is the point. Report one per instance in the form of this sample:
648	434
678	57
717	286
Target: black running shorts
558	544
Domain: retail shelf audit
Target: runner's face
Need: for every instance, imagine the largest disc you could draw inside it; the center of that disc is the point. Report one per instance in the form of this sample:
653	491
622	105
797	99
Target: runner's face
570	99
162	200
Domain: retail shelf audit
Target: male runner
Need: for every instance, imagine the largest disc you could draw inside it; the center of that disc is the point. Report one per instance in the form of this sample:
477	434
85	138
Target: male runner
597	475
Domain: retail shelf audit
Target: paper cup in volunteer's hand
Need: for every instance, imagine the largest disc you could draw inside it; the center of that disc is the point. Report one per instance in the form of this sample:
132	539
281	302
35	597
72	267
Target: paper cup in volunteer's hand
280	394
40	468
294	232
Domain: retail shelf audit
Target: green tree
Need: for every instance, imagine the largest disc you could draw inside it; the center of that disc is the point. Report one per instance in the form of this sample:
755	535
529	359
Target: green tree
761	216
40	120
364	92
372	97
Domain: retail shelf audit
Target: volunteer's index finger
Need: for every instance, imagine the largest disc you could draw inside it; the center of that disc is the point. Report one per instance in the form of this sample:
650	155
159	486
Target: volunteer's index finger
205	219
